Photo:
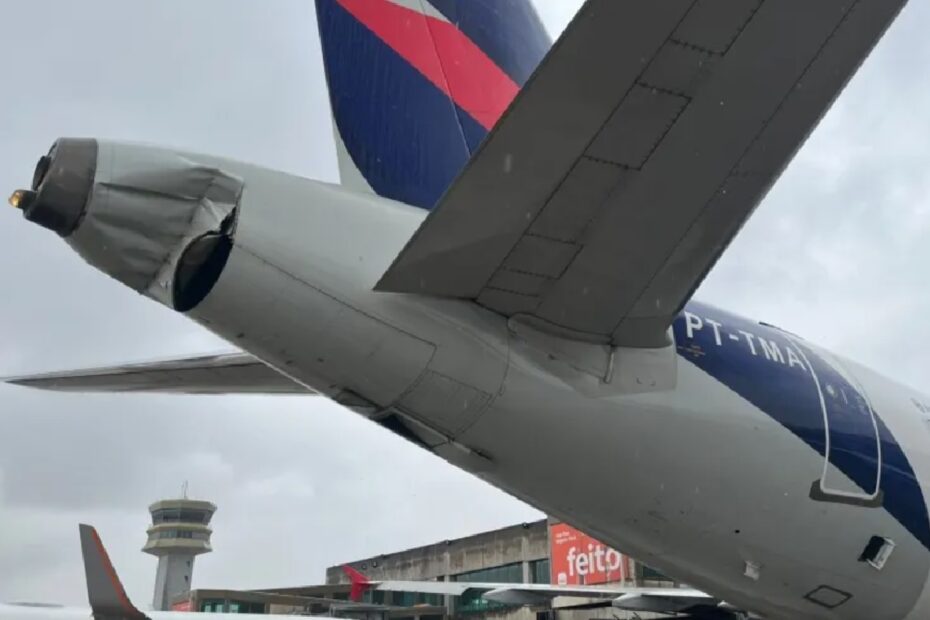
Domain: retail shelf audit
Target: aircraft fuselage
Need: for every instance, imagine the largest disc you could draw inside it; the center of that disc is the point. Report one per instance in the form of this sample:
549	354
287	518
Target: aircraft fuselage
739	459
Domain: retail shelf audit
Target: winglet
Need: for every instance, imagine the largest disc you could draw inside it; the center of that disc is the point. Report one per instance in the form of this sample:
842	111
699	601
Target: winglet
104	591
360	583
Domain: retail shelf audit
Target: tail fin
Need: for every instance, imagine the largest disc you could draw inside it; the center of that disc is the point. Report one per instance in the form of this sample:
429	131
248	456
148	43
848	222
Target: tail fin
360	583
415	85
105	593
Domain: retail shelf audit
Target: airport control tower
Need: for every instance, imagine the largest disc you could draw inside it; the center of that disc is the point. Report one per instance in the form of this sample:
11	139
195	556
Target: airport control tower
179	533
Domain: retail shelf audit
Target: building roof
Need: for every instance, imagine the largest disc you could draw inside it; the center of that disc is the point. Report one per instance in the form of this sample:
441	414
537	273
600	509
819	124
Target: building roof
515	543
191	504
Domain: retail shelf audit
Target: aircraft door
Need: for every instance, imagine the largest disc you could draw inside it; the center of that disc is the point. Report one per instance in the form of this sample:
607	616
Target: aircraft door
852	447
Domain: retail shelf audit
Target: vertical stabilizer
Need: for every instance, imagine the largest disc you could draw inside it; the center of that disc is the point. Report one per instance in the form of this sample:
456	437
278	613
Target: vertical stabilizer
105	593
416	85
360	583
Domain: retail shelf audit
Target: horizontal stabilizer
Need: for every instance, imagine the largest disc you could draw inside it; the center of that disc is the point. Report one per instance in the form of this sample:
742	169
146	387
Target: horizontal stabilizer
230	373
632	157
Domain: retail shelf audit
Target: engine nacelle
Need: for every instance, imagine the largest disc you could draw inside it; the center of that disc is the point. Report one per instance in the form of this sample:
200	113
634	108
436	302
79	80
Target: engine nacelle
281	266
158	221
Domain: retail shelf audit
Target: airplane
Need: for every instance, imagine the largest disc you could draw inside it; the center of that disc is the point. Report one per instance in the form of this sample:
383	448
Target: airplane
505	272
106	596
675	601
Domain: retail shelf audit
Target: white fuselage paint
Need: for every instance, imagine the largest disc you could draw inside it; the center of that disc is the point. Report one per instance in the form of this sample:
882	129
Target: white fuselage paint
690	478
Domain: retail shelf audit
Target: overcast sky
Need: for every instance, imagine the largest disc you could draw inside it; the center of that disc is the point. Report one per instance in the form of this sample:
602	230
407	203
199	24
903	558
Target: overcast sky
838	252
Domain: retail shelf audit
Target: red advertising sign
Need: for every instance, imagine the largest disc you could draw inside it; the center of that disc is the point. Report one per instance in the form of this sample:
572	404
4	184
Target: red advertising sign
181	606
577	559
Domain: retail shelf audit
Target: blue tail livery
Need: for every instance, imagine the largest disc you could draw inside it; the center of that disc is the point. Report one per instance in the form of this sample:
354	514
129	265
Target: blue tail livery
415	85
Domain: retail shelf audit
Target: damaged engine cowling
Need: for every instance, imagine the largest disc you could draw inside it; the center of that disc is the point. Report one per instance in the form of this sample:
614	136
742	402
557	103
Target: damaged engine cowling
278	265
153	219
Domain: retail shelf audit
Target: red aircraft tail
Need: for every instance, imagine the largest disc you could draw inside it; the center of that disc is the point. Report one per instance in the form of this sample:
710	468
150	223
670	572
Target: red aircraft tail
360	583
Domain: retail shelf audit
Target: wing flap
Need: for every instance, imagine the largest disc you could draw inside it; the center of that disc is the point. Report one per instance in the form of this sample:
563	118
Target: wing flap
633	156
231	373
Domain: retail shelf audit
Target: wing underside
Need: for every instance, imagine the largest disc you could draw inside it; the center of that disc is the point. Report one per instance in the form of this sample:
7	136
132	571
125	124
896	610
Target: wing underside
230	373
633	156
660	600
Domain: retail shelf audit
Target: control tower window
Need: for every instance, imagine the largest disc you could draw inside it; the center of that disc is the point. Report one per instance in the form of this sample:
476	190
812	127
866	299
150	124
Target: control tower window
176	515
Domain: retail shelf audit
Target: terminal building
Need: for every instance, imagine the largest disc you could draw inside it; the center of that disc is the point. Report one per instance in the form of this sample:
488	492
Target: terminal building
544	551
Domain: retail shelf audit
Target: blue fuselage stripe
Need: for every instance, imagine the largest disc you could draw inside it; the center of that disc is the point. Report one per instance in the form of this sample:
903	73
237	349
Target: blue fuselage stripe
813	397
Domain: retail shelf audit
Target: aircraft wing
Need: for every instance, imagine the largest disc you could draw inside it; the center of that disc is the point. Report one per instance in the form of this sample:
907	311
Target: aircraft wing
230	373
658	600
632	157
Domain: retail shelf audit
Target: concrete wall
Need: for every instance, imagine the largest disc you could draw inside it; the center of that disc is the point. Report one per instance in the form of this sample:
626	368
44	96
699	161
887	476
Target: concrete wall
172	579
518	543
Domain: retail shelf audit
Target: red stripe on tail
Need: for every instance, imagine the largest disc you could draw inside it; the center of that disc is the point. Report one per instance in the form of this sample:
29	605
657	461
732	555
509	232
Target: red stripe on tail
111	574
443	54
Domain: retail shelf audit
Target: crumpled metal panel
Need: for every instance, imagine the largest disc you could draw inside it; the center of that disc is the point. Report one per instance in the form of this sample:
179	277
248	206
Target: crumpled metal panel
146	206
